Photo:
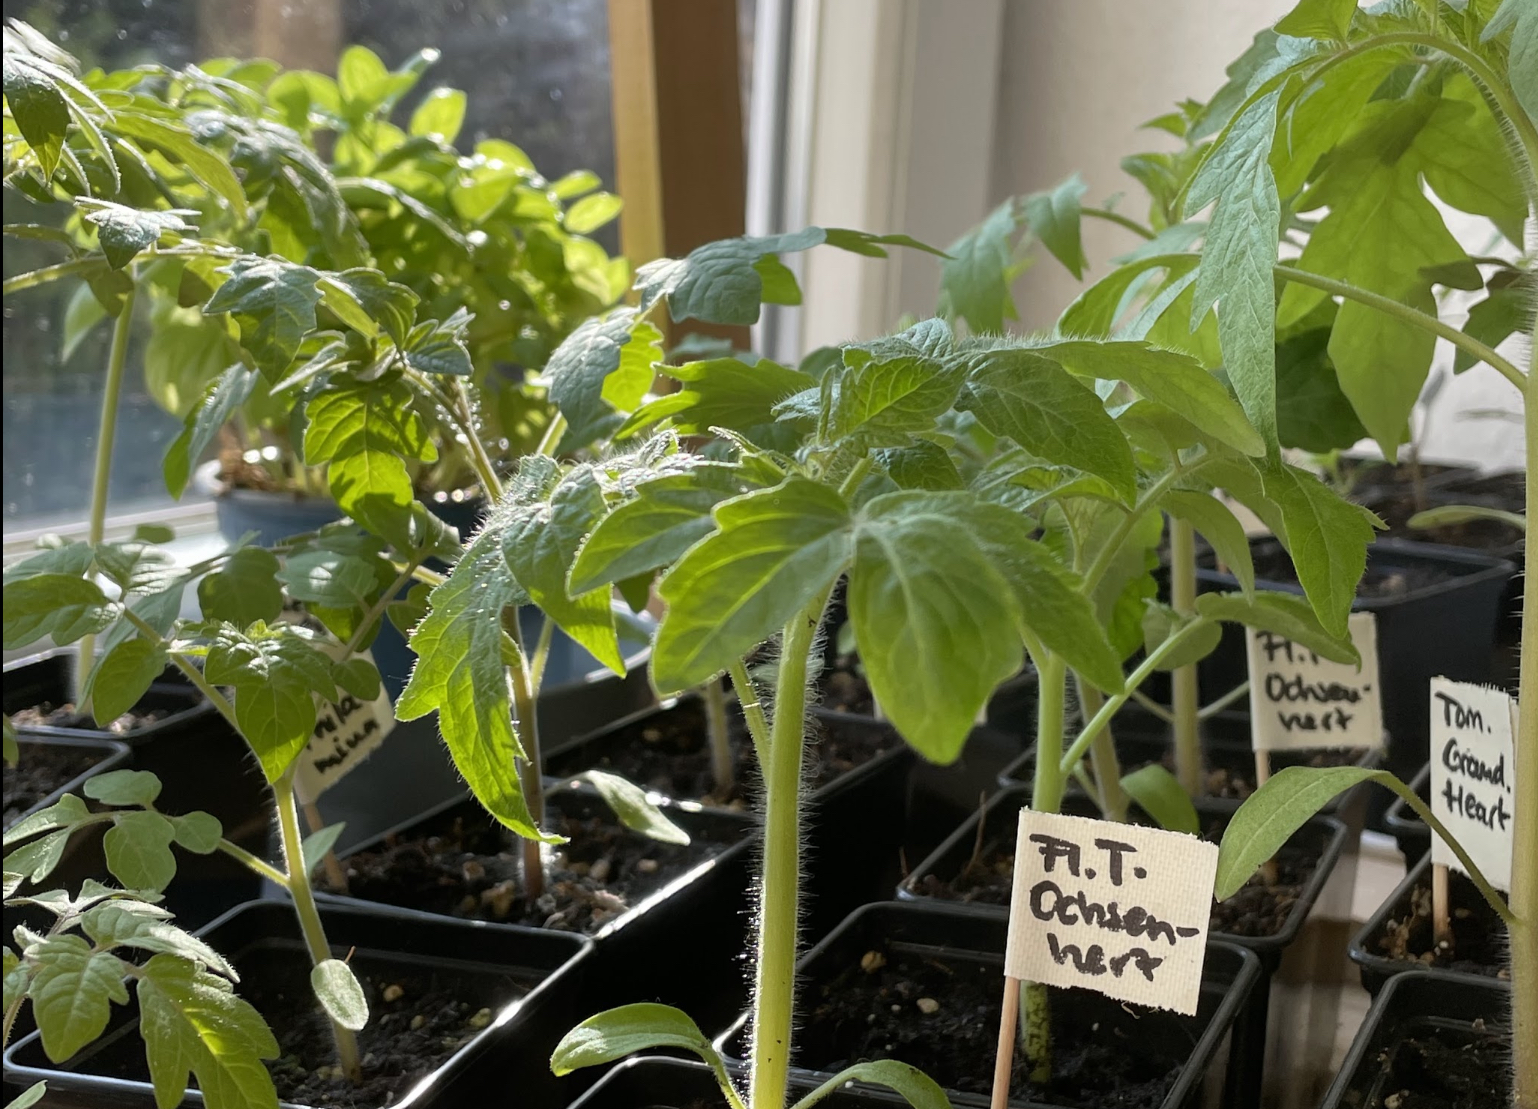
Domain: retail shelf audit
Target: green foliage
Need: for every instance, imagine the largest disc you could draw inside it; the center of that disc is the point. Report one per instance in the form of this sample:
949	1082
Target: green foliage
617	1033
275	672
634	807
1160	795
338	991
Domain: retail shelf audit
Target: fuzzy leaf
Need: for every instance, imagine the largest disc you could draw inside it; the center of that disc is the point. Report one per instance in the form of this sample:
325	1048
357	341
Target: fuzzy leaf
122	923
275	673
338	991
138	850
1219	527
71	990
273	302
1327	537
601	371
634	807
667	516
61	606
1282	613
366	302
38	107
244	590
974	281
619	1033
1054	219
317	845
124	675
123	232
911	1084
124	788
722	392
220	401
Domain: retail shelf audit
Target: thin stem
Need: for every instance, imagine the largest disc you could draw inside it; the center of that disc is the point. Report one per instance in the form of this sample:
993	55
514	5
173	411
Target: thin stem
1150	705
1120	220
34	278
1046	796
752	709
485	472
531	770
774	990
722	767
856	475
1409	315
12	1011
106	432
1113	704
220	702
377	609
1185	695
1234	694
260	866
552	437
304	907
541	655
1150	497
1102	756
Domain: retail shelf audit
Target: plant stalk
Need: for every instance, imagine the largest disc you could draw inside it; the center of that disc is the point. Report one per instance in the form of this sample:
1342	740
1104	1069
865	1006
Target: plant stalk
1046	796
774	991
1185	697
722	766
1102	756
752	709
117	360
304	907
532	770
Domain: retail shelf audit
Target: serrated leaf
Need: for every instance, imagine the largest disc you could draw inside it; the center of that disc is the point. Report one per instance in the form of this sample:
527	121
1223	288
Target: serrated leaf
124	232
125	924
191	1022
721	392
924	465
338	991
180	145
72	559
974	281
275	673
880	399
1054	219
1282	613
220	401
71	990
243	590
601	371
1160	795
367	302
1220	527
60	606
138	850
1327	538
1504	311
365	431
634	807
357	676
1312	413
774	550
666	517
123	788
1319	19
273	302
439	348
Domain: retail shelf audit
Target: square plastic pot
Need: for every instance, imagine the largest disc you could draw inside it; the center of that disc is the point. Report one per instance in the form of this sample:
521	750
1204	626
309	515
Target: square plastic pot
1409	830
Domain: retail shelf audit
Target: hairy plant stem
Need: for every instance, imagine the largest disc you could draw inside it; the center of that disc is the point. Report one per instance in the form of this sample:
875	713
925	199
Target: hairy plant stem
1185	694
1524	837
304	907
106	432
1046	796
1102	756
722	767
531	769
752	709
774	989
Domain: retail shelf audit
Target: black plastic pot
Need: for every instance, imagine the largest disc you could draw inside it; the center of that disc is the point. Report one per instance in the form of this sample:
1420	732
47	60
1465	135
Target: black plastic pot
1444	629
679	944
999	819
660	1083
510	1053
1421	1005
1375	477
854	820
1408	829
973	941
1472	920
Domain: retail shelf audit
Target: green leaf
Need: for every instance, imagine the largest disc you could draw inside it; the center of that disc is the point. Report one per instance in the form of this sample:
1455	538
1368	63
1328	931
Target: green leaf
61	606
124	788
774	551
244	590
601	371
1318	19
365	431
1522	57
1219	527
138	850
1283	614
634	807
191	1021
1239	254
722	392
38	107
332	578
592	212
1054	219
71	991
460	674
31	1095
1160	795
440	115
80	317
935	639
338	991
1312	413
180	145
36	860
439	348
1447	514
124	675
667	516
317	845
275	673
1327	537
124	923
66	812
72	559
915	1087
198	832
1029	397
1503	312
123	232
974	281
366	302
273	302
1270	816
924	465
619	1033
357	676
219	403
881	399
1160	622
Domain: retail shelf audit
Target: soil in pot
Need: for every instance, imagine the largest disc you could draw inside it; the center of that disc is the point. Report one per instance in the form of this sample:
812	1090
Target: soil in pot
669	752
941	1014
47	715
1230	775
1479	534
467	865
42	769
1446	1068
1479	940
1259	909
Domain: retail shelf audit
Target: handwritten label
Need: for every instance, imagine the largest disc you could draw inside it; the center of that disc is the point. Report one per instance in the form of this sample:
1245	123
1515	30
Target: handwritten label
1113	908
1298	699
1473	775
346	733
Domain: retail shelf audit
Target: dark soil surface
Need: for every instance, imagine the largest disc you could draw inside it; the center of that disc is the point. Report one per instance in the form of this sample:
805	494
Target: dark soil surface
46	715
1447	1068
1259	909
469	866
1273	564
1479	938
669	753
941	1014
1483	535
1236	781
41	770
844	688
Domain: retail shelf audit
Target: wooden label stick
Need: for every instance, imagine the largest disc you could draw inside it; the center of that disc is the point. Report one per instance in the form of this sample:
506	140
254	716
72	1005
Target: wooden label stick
1004	1063
1441	922
1262	767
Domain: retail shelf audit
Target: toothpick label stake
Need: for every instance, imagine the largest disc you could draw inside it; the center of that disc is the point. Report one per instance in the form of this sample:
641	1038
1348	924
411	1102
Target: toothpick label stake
1473	776
1114	908
346	733
1299	699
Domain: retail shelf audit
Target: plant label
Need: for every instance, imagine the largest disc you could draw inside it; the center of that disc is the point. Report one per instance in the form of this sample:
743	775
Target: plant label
346	733
1114	908
1473	776
1298	699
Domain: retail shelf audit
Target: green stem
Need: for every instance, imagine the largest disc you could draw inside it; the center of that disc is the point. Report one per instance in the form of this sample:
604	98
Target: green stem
722	767
377	609
220	702
752	709
1120	220
552	437
774	990
541	655
1102	756
1524	836
258	866
106	432
485	471
33	278
1185	695
1153	706
1150	497
1406	314
1047	790
1234	694
531	770
304	907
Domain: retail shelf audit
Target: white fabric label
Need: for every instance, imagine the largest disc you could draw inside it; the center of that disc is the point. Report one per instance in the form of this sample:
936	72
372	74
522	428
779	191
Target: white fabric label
1473	775
1114	908
1298	699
